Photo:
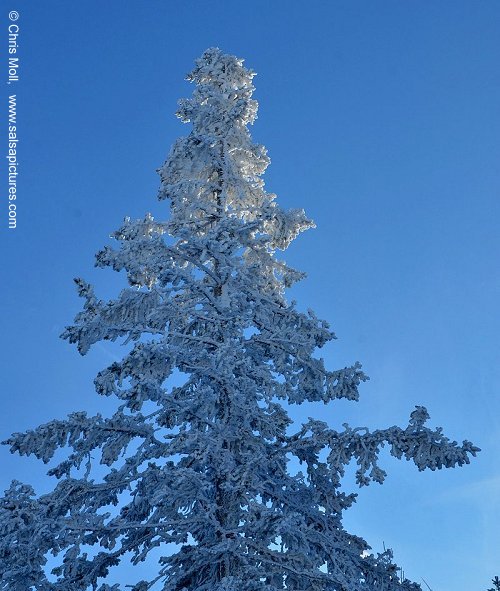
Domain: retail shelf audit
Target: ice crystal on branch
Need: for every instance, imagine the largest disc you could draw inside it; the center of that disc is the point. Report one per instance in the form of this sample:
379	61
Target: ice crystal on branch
198	465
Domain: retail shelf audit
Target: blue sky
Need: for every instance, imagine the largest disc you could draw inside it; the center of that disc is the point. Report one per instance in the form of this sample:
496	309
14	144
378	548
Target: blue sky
382	120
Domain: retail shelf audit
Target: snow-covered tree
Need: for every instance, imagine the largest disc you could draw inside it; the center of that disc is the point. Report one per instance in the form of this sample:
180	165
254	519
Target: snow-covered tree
196	460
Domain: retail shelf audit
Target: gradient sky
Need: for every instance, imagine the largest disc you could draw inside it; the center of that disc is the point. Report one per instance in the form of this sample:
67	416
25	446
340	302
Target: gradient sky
382	120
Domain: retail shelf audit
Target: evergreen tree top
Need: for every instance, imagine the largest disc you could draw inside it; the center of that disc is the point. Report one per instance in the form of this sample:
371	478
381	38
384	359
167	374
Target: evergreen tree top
222	81
196	460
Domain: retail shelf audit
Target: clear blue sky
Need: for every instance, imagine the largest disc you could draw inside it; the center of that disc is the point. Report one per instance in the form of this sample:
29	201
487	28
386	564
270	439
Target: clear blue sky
382	119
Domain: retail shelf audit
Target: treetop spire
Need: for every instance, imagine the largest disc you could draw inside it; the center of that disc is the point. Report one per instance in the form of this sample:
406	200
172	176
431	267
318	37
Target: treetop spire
222	70
213	175
224	84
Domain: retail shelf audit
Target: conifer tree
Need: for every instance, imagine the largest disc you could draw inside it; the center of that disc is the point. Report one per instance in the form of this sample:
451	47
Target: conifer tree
196	459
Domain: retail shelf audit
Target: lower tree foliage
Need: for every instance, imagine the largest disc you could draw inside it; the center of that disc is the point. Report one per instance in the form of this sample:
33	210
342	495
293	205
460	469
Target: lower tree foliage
195	462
